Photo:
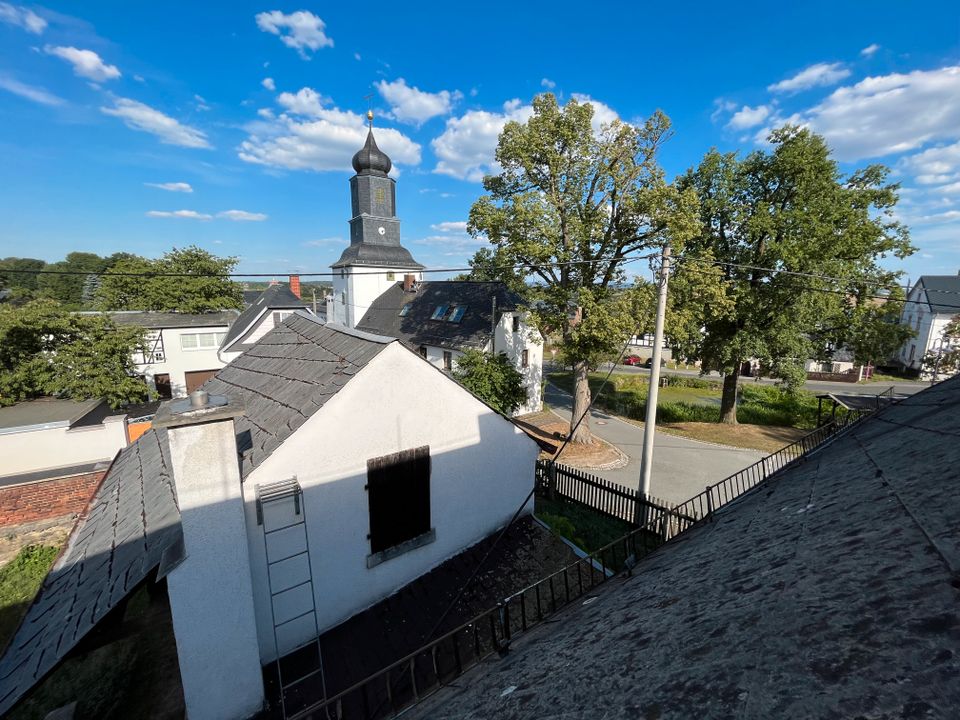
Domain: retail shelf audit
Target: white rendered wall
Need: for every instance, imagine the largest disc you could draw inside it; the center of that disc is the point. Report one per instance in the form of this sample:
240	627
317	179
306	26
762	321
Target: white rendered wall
177	362
482	469
513	344
211	595
22	452
362	286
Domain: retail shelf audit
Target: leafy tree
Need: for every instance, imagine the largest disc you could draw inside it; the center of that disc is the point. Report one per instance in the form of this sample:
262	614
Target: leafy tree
10	278
491	378
201	283
789	209
570	204
46	350
489	266
68	289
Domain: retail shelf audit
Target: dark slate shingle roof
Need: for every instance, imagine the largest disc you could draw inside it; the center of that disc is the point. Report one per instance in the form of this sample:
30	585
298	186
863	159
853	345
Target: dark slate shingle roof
830	591
943	293
133	517
130	523
416	328
275	297
377	254
160	320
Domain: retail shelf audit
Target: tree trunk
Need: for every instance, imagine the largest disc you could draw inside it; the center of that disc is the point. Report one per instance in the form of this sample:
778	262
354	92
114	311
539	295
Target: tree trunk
581	401
728	403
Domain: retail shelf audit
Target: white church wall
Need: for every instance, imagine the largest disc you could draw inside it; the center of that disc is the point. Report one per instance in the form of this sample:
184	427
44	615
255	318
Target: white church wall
363	285
482	469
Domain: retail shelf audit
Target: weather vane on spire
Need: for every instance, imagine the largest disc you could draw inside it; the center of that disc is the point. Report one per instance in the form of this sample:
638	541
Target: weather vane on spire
369	99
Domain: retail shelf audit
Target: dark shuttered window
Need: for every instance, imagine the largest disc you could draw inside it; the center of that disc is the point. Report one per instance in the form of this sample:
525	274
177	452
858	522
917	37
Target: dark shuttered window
398	488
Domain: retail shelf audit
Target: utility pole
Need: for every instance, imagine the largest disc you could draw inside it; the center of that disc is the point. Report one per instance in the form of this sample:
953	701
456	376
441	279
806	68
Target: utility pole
493	328
314	301
649	426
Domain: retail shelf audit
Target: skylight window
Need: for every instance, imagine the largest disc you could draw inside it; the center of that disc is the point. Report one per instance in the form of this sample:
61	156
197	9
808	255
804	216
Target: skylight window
439	312
405	310
456	315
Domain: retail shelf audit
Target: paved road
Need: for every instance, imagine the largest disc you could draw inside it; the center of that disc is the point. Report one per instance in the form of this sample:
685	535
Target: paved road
901	387
681	467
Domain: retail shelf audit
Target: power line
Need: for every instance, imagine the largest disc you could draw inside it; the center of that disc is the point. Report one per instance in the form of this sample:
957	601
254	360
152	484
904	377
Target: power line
521	266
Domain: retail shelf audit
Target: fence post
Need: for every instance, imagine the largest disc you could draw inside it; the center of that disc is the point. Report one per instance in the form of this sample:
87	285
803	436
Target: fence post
551	480
709	503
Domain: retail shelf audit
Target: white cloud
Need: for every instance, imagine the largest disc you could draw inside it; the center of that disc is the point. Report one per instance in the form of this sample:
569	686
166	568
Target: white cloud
300	30
819	75
721	107
323	242
934	165
306	101
269	84
356	56
465	150
869	50
748	117
310	136
266	113
187	214
172	186
22	17
86	63
241	216
30	92
459	226
938	218
138	116
889	114
201	103
410	104
548	83
453	245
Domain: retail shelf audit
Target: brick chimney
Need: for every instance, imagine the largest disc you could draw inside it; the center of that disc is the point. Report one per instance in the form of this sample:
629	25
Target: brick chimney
408	282
295	285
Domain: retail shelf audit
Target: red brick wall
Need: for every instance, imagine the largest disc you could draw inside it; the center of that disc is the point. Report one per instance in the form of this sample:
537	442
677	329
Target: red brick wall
47	498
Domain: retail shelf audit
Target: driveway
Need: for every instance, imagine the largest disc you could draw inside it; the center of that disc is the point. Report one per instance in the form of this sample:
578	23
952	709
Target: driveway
681	467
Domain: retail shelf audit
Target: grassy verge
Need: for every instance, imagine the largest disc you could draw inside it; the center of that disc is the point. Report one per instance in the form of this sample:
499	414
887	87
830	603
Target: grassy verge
694	400
585	528
19	581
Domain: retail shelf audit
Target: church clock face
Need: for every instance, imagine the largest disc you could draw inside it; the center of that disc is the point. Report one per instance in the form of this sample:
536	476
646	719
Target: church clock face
381	229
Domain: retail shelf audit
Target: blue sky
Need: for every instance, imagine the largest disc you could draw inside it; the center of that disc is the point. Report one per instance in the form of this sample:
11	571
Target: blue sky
137	127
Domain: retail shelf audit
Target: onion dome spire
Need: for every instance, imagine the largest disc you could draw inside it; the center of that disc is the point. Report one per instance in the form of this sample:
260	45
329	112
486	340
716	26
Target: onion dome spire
371	160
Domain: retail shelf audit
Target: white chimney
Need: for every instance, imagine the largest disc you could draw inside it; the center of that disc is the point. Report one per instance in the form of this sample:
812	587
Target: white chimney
211	593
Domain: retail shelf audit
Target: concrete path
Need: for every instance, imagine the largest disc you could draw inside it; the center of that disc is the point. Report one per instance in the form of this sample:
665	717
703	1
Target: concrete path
681	467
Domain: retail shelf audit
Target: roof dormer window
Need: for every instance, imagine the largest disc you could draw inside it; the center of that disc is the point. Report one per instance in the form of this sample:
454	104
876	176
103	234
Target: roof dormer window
405	310
439	312
456	314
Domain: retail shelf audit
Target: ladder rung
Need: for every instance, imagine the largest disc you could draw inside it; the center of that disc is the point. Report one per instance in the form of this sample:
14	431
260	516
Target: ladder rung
290	620
292	587
274	562
285	527
301	679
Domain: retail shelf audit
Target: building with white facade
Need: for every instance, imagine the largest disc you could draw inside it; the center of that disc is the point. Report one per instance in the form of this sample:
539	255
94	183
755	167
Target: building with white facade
326	469
379	287
931	304
272	307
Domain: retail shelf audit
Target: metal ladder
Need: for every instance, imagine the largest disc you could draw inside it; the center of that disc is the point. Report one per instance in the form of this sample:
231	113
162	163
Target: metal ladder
276	527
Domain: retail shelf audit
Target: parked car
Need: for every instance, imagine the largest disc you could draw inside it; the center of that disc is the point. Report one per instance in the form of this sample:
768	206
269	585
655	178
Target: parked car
649	363
632	360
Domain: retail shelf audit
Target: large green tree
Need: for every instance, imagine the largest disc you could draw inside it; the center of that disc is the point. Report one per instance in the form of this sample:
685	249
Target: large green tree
492	378
571	204
188	280
20	273
68	289
782	222
46	350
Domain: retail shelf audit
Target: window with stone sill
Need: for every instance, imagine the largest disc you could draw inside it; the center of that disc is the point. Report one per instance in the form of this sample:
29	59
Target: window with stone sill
398	496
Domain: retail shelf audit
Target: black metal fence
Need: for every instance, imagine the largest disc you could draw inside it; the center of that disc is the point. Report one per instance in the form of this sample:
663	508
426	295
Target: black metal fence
414	677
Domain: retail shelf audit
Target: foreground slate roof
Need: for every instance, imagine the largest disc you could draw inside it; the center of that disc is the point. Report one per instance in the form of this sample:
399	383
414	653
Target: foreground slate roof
942	293
831	591
417	328
132	525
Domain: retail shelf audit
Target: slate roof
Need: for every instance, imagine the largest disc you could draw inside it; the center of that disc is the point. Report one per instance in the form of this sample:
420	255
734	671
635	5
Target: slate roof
161	320
133	519
416	328
943	293
829	592
49	412
377	255
131	523
275	297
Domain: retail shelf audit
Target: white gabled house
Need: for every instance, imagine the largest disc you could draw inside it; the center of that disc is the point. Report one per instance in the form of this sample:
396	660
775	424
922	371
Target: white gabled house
931	304
318	473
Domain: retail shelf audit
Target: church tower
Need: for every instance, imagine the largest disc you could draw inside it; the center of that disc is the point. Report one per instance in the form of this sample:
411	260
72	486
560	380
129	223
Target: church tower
375	259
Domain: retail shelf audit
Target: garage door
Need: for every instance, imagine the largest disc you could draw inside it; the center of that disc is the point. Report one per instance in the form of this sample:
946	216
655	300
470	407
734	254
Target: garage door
197	378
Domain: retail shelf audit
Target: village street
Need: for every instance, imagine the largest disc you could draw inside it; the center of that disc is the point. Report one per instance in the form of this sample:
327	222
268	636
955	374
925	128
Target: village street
681	467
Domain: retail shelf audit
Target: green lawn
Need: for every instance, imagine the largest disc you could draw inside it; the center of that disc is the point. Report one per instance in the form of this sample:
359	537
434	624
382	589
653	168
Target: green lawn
19	581
585	528
698	400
